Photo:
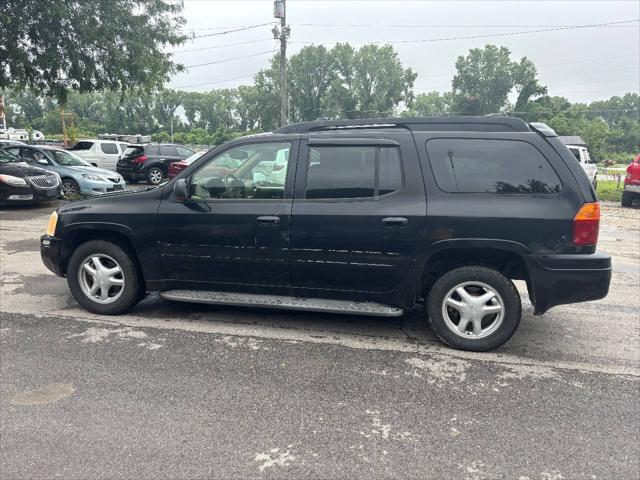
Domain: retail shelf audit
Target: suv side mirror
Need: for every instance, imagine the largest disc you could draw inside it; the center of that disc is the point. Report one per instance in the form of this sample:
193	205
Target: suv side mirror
180	189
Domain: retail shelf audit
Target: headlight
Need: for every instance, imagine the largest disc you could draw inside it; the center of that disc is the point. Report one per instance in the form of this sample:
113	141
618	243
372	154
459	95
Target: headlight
90	176
53	221
11	180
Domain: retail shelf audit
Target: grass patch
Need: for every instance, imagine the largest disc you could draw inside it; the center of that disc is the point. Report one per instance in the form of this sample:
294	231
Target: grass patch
609	191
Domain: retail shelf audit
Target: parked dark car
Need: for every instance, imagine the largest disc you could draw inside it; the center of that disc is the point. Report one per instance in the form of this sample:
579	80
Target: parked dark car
21	183
150	162
368	217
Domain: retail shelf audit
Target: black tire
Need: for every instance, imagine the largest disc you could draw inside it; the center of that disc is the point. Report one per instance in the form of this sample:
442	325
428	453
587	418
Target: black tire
512	308
627	199
155	175
131	292
70	189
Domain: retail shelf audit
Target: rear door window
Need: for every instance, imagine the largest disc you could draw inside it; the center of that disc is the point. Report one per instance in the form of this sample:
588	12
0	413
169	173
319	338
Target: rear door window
352	171
83	145
464	165
109	148
168	151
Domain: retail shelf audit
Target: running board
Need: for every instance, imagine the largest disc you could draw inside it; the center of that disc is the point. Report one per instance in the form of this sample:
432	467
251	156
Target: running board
287	303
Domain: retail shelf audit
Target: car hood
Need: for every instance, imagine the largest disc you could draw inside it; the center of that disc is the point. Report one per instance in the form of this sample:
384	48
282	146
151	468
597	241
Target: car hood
94	170
21	169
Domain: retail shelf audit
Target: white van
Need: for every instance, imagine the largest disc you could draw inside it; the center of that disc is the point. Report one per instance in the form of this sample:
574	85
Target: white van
101	153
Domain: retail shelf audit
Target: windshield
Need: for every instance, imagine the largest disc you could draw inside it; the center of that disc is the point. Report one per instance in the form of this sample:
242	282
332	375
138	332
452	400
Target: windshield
6	157
68	159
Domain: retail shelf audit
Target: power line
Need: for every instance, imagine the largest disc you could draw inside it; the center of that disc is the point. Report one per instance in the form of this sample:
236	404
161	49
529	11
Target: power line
356	25
229	59
216	81
222	46
491	35
248	27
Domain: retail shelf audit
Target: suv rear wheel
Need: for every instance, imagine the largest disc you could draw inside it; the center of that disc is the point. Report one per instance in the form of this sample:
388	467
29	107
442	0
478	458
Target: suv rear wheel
103	278
155	175
474	308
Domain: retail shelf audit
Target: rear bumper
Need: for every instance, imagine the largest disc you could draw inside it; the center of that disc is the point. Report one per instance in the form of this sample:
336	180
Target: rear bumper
628	187
50	250
567	278
131	171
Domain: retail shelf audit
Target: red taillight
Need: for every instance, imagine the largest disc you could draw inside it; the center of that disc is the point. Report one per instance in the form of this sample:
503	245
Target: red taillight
586	224
140	159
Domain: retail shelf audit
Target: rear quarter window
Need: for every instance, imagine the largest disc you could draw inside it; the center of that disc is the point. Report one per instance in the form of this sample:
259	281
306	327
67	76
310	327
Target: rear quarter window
464	165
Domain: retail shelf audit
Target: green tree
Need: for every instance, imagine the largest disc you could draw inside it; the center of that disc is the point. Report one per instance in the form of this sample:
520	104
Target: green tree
58	46
310	77
524	75
430	104
483	80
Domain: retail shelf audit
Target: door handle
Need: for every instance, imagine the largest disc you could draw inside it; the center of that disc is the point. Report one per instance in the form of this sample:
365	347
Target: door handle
395	222
268	220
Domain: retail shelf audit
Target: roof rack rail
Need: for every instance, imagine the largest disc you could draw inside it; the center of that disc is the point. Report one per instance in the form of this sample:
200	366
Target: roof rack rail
468	123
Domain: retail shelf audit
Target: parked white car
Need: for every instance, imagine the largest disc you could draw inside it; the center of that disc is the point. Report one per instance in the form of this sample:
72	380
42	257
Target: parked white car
589	166
100	153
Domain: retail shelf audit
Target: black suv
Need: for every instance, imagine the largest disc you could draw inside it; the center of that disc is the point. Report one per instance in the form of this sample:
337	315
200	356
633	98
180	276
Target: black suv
150	162
365	217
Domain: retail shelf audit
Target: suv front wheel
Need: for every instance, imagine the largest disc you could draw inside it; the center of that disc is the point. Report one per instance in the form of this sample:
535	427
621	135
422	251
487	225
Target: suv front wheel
474	308
103	278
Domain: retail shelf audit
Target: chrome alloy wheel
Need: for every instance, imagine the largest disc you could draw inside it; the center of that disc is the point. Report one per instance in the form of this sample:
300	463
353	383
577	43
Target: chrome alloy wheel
155	176
101	278
473	310
69	189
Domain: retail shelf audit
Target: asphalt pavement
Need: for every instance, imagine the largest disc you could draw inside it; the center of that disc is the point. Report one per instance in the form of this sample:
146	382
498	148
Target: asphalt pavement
188	391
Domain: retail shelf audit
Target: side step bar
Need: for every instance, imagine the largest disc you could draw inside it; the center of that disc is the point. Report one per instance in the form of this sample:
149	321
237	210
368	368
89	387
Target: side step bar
287	303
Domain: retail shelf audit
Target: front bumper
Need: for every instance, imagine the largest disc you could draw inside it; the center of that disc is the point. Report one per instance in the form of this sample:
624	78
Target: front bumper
10	194
50	252
567	278
93	187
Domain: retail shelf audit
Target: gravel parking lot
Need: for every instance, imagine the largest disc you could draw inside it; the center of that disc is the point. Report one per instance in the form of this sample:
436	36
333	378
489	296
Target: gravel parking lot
188	391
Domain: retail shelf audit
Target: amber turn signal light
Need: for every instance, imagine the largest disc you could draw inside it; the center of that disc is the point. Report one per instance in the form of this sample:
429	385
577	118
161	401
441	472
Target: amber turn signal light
53	222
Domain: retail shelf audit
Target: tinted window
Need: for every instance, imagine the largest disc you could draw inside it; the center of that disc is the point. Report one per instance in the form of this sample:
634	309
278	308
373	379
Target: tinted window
109	148
168	151
184	152
151	151
83	146
257	171
490	166
133	151
351	171
8	156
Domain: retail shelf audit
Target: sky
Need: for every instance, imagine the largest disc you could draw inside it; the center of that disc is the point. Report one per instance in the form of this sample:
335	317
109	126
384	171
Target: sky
582	64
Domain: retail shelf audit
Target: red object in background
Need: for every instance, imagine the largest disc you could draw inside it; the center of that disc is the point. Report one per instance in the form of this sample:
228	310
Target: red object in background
176	167
633	173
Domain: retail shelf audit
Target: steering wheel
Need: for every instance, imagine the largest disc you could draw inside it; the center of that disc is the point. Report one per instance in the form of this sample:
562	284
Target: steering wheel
232	177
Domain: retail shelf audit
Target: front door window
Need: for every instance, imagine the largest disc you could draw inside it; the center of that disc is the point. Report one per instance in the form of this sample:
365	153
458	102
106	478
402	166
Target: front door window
254	171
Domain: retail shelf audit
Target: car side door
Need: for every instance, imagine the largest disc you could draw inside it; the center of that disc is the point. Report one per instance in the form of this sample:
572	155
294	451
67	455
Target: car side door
233	227
358	213
109	154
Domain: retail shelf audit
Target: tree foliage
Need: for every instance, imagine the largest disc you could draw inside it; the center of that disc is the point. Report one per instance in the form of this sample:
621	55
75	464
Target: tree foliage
59	46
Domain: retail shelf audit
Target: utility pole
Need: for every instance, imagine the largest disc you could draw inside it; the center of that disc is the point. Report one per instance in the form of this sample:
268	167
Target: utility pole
280	11
3	117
